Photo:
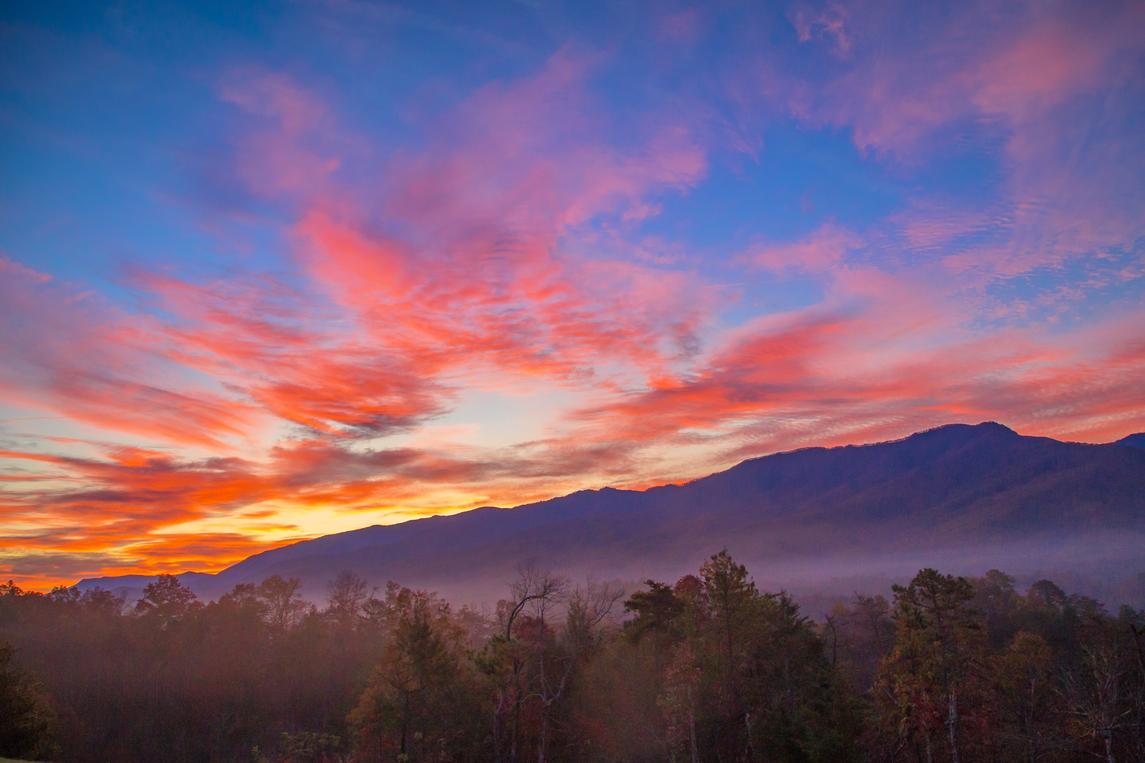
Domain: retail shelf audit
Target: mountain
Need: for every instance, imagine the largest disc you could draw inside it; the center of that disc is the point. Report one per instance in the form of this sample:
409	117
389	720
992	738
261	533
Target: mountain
130	586
1133	440
960	497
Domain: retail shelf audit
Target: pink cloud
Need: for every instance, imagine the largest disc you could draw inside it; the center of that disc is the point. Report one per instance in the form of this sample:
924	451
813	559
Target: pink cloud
892	356
292	145
70	353
1048	82
476	281
824	249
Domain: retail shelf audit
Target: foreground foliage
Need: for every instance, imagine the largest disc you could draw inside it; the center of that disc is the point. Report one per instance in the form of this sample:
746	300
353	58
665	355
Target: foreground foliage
708	668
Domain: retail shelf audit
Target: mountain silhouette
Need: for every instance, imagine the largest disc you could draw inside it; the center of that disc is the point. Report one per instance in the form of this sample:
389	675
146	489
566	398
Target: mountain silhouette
958	496
1134	440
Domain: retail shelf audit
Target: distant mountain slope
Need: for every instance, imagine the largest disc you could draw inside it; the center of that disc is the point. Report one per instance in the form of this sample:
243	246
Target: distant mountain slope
975	496
131	585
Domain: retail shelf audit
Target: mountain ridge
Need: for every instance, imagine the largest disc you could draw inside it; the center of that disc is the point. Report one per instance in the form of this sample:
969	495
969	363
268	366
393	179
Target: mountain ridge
1136	440
959	486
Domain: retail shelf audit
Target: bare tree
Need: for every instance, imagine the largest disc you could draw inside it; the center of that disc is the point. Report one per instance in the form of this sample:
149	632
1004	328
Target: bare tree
587	608
1093	695
534	593
535	589
348	594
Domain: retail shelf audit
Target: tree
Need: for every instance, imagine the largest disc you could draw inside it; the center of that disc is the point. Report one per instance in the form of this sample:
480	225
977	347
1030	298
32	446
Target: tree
1046	593
797	707
996	601
285	606
1094	688
1131	623
510	659
27	723
1029	717
614	708
732	597
859	635
166	601
557	661
244	598
938	645
678	702
733	605
348	595
420	702
655	611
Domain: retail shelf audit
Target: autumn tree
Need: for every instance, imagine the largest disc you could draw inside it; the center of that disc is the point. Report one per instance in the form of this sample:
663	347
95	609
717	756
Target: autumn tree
928	678
421	701
996	602
742	674
1029	719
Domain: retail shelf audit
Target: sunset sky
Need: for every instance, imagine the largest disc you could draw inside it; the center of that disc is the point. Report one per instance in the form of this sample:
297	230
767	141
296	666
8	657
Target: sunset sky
270	271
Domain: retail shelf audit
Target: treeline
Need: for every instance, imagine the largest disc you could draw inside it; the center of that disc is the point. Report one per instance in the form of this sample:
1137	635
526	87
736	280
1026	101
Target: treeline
707	669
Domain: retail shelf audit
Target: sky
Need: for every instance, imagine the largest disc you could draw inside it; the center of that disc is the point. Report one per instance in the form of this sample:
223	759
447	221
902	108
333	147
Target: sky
274	270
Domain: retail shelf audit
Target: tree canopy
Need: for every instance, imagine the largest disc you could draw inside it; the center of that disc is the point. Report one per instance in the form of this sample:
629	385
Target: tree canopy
709	668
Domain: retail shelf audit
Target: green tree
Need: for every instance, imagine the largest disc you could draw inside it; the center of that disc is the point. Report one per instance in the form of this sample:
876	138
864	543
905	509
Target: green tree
733	601
655	611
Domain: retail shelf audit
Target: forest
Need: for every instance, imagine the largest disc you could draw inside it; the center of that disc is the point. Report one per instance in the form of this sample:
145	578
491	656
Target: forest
708	668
